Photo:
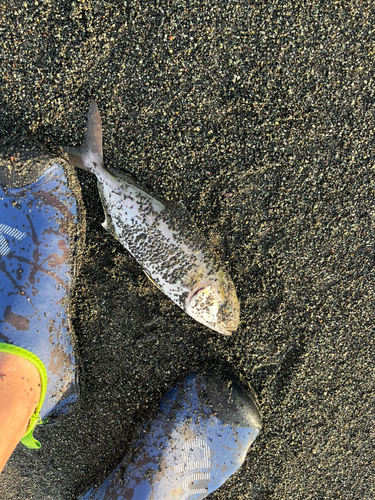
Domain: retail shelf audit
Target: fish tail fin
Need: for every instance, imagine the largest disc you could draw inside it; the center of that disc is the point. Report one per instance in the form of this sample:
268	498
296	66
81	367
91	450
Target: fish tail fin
76	157
89	156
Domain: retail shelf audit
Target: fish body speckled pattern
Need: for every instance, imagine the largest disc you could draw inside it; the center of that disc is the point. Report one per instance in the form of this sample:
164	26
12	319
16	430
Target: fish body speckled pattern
162	239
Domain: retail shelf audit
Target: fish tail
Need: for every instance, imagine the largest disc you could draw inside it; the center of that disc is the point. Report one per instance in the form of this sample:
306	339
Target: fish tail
76	156
89	156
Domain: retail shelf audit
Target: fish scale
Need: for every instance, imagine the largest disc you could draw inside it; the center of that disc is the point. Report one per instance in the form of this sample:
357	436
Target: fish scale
161	238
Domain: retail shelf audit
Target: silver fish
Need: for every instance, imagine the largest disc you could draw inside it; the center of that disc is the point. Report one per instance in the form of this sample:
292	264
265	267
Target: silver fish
161	238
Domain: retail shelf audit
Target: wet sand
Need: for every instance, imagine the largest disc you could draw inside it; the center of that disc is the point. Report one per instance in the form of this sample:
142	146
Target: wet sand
257	117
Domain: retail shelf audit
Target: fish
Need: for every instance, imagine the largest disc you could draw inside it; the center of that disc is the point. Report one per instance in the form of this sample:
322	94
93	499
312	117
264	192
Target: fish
161	237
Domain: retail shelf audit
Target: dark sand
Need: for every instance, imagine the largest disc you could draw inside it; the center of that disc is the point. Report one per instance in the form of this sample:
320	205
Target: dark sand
258	117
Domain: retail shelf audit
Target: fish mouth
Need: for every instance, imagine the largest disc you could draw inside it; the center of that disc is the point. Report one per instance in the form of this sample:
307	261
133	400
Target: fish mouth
223	331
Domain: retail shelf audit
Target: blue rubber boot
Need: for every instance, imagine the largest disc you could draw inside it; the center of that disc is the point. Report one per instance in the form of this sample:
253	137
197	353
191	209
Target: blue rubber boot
198	438
41	224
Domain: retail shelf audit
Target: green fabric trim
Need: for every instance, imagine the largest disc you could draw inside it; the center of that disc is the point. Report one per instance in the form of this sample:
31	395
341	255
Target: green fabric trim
28	439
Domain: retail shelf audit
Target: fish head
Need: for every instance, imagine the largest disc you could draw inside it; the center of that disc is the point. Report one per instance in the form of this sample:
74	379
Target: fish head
213	302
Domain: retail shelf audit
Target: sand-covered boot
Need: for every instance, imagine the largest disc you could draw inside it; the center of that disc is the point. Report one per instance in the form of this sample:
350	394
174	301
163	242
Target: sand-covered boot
41	228
196	441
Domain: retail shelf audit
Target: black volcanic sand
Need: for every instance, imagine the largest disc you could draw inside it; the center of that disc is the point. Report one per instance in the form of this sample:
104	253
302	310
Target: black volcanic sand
258	117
